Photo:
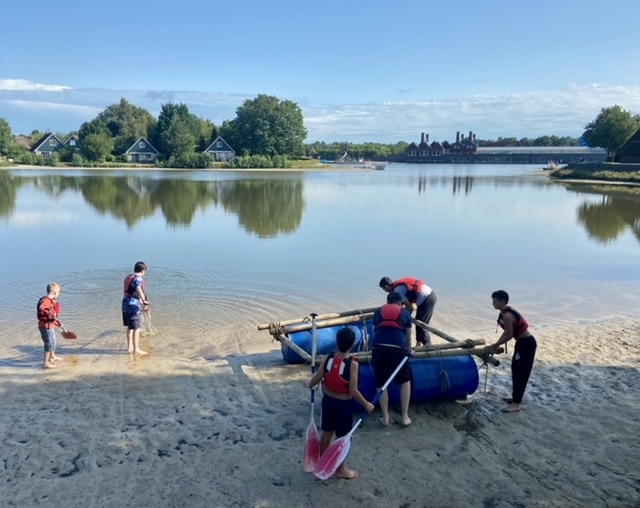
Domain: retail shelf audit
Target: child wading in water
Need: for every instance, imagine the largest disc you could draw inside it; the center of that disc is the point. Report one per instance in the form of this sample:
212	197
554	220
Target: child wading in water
48	310
338	372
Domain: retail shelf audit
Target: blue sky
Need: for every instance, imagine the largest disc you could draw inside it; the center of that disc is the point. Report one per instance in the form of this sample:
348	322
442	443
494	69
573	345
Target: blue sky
374	71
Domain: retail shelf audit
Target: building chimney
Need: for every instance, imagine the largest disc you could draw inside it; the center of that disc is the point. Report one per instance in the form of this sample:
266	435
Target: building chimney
458	137
422	138
427	138
470	136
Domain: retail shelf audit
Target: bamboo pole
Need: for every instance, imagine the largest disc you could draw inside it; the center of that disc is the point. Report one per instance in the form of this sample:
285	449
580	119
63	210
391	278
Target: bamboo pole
465	344
484	355
302	327
365	356
266	326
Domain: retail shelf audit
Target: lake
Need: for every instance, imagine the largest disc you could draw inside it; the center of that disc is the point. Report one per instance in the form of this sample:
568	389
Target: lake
229	250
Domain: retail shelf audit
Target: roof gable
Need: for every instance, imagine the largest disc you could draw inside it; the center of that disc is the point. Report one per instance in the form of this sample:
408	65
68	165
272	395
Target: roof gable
632	146
142	146
47	143
219	145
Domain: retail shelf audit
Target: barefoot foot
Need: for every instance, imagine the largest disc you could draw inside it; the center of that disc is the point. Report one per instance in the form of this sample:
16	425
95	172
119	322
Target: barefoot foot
346	474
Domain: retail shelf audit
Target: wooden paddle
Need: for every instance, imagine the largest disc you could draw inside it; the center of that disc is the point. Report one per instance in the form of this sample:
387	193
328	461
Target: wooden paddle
337	451
312	439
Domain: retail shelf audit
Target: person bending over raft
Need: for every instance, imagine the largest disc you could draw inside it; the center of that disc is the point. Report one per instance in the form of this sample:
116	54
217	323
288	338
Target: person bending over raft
391	343
516	327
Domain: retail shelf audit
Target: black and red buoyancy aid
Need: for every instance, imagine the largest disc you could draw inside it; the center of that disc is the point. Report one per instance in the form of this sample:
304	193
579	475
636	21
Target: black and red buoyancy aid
47	311
337	373
127	285
414	286
519	326
390	316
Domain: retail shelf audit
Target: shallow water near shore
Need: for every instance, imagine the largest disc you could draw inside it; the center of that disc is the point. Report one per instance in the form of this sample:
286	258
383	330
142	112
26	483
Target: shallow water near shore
229	250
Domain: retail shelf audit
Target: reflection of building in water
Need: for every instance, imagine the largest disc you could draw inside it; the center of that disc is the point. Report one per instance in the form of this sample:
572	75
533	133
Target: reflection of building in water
460	182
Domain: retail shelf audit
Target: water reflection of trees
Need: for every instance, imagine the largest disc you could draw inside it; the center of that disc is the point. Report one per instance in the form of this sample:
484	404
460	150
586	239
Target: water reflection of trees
264	207
8	190
617	210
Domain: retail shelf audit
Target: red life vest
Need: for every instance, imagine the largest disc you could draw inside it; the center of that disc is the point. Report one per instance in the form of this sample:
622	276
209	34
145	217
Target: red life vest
337	373
47	312
390	314
519	326
414	286
127	285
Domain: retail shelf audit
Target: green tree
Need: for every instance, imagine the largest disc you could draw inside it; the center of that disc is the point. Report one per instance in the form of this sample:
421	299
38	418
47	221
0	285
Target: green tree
124	122
6	138
97	147
177	132
268	126
611	129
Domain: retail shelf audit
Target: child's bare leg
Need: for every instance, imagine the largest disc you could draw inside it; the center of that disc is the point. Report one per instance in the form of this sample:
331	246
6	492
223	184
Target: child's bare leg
136	343
129	340
325	441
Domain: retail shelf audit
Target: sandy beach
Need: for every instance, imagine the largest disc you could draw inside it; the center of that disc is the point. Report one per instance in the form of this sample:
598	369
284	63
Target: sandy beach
177	430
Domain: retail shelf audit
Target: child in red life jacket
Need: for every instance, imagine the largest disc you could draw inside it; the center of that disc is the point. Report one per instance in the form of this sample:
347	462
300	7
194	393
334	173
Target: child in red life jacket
338	372
47	312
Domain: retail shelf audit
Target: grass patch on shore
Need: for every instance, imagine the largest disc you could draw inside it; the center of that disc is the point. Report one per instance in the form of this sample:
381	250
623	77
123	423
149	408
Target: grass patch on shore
603	175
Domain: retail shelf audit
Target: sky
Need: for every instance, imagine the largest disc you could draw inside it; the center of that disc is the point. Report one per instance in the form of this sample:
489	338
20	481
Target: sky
377	71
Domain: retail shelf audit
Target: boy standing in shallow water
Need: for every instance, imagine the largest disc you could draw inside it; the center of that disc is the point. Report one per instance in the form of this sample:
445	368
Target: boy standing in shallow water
134	303
48	310
339	375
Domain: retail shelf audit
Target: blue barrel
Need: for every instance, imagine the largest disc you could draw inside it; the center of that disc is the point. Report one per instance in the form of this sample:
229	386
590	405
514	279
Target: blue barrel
326	342
432	379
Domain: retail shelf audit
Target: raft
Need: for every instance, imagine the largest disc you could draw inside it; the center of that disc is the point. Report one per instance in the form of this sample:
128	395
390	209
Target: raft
446	377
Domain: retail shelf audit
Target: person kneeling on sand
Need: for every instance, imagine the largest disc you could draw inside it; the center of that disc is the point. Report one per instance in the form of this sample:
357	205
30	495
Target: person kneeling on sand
516	327
338	372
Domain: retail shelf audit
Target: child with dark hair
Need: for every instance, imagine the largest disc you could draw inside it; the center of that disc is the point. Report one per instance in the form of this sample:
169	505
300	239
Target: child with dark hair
514	326
338	372
133	303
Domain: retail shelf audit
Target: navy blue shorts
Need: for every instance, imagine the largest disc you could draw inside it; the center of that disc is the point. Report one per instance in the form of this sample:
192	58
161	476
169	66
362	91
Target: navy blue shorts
337	415
385	360
132	321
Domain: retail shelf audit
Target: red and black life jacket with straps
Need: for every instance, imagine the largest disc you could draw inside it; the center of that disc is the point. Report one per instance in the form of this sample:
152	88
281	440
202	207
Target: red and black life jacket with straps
127	285
414	286
519	326
390	316
337	373
47	311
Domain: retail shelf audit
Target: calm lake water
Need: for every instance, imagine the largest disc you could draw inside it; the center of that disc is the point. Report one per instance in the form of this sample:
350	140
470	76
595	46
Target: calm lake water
229	250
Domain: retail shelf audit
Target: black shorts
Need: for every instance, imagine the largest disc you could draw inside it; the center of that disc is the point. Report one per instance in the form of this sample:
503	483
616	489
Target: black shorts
385	360
337	415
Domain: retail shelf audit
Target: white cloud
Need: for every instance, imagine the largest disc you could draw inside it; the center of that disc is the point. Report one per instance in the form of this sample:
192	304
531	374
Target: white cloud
38	218
23	85
55	107
562	112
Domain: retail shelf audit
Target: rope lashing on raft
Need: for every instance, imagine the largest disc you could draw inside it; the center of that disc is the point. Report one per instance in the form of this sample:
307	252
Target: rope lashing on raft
276	329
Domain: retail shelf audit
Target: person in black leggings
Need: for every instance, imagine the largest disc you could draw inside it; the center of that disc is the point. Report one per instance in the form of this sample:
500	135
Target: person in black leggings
514	326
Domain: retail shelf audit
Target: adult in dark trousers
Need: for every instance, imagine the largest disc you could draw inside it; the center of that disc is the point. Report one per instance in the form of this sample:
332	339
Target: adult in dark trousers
514	326
418	297
391	343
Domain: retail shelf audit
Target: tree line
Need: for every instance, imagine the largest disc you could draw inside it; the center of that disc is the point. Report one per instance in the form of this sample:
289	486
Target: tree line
266	132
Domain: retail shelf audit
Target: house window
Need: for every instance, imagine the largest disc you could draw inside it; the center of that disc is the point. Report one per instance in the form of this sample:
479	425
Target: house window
52	142
72	142
142	144
219	144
